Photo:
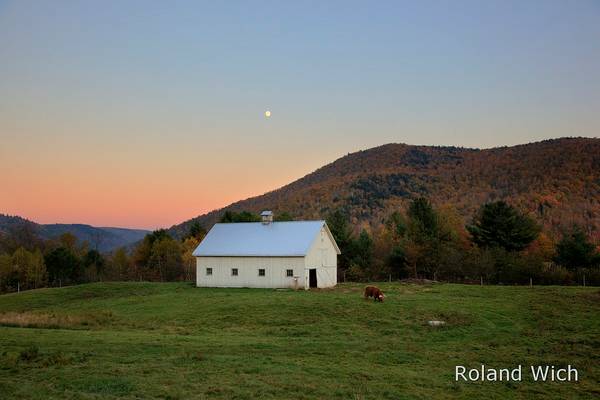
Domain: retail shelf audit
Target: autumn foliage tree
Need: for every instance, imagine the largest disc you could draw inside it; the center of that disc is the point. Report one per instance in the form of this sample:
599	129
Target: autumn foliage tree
575	250
498	224
165	259
197	231
337	222
428	239
24	270
94	264
244	216
119	267
188	259
63	265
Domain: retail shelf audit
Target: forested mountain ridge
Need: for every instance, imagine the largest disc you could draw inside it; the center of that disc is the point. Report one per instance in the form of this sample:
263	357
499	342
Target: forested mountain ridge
556	181
101	238
502	215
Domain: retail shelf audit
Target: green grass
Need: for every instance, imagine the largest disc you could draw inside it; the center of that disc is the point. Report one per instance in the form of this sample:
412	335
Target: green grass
144	340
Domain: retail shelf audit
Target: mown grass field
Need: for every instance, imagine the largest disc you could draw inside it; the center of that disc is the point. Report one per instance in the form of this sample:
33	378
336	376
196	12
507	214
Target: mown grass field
144	340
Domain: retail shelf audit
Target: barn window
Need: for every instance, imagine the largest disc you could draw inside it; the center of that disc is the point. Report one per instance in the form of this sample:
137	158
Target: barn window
289	272
261	272
208	271
234	272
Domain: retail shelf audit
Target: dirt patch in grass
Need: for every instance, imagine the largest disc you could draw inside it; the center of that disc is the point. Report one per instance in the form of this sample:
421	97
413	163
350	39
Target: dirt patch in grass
54	321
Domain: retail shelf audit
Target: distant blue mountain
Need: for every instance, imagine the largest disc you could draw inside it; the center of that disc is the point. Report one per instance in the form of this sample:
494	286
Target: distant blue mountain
105	239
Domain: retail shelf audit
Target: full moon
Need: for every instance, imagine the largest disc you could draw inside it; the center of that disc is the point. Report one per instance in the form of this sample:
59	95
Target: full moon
267	113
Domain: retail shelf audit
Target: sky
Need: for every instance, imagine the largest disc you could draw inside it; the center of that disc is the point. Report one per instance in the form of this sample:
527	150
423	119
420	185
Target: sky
144	114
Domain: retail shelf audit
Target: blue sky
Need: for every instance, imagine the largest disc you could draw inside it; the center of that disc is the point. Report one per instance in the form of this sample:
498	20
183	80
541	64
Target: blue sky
172	95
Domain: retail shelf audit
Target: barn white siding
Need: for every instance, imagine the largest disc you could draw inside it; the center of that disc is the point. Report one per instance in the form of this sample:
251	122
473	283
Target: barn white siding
305	247
322	255
275	272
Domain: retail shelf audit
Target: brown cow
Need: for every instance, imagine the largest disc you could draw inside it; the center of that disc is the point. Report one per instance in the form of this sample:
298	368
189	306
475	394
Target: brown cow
374	292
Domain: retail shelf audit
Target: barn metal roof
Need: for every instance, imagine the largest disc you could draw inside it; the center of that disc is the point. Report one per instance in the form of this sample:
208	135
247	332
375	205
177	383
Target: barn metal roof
255	239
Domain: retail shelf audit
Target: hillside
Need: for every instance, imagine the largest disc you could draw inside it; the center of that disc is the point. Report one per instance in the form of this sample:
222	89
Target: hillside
105	239
145	340
556	181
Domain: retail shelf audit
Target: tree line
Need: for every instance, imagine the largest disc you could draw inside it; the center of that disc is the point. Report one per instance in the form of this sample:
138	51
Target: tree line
27	262
500	245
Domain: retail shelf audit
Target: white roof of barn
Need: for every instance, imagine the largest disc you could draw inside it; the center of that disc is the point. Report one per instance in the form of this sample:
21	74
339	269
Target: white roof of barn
255	239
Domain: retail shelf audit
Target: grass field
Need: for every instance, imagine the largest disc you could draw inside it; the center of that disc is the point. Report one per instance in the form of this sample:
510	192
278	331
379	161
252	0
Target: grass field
149	340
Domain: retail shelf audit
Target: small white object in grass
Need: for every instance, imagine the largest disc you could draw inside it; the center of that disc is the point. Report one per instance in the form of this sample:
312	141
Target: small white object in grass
267	113
436	323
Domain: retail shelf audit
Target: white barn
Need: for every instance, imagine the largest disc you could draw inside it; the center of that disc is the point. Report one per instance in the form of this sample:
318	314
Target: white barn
267	254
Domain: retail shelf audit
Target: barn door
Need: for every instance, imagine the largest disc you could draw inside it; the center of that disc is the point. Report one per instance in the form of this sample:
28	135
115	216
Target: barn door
312	278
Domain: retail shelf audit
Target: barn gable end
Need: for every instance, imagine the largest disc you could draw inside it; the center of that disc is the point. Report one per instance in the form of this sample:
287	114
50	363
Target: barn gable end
294	254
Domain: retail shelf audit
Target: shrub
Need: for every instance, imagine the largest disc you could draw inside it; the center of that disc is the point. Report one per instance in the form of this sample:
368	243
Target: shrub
552	274
355	274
